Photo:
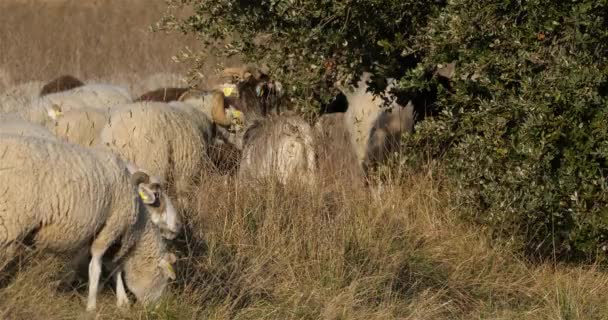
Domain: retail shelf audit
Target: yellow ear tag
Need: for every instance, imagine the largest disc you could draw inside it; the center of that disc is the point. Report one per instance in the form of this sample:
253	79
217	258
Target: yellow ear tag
171	271
237	114
228	91
55	113
143	196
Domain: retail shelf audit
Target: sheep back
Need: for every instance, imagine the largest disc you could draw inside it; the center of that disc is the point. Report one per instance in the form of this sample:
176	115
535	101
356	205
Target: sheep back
80	126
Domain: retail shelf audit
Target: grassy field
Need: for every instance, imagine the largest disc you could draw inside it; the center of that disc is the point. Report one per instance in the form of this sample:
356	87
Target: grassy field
267	252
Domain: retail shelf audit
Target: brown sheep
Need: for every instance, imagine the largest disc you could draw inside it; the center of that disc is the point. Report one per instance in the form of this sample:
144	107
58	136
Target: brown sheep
62	83
163	94
257	94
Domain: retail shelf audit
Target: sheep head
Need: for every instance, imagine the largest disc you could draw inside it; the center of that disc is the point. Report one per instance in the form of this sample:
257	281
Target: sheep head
152	191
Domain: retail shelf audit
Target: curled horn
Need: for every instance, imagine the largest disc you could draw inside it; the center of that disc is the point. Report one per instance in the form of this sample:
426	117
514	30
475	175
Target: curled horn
218	114
140	177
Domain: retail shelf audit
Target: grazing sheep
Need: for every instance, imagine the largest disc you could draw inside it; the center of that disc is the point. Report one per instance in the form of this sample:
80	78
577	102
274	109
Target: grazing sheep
385	135
63	197
169	140
152	190
80	126
253	95
281	147
373	130
163	94
21	127
61	83
95	96
256	93
100	96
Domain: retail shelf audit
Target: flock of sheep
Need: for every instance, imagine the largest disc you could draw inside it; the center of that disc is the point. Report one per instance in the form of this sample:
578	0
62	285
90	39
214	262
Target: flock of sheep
85	167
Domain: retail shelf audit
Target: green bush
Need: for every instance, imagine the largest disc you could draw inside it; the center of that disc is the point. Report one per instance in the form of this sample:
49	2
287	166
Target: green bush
525	118
523	124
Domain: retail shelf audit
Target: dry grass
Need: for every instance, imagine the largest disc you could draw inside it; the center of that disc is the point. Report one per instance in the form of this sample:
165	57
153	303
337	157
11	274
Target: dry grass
262	251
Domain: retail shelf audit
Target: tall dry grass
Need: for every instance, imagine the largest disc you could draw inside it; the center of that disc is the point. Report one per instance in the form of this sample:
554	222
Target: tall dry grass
99	40
262	251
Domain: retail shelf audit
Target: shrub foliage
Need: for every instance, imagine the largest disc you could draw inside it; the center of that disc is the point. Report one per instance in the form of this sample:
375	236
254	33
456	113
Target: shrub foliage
523	124
526	118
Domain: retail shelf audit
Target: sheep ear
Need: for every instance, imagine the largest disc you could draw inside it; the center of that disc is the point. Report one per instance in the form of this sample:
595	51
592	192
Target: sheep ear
166	267
147	194
230	90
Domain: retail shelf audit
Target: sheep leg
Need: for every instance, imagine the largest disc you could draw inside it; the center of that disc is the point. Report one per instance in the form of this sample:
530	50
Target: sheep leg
122	300
98	249
94	275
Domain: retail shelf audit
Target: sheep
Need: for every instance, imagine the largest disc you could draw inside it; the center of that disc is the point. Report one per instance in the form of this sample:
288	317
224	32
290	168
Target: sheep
281	147
169	140
64	197
100	96
385	135
80	126
163	94
21	127
152	190
256	93
96	96
61	83
374	130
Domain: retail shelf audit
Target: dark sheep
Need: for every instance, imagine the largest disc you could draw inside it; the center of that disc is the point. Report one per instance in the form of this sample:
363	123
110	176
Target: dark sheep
62	83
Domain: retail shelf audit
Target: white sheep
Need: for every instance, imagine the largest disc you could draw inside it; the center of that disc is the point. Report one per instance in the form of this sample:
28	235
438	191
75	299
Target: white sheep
64	197
373	128
279	147
169	140
80	126
18	126
96	96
